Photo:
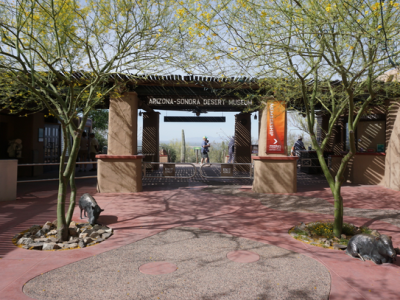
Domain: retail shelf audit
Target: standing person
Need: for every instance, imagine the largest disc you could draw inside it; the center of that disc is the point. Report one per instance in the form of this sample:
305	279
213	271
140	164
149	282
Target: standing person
83	151
231	148
208	150
94	149
204	150
298	146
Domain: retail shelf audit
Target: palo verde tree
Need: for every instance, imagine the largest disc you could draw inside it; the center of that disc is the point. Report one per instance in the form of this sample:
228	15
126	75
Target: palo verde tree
68	54
323	55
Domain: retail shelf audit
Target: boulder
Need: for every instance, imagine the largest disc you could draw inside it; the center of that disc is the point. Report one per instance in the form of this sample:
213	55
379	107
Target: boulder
49	246
87	240
36	246
83	235
72	224
47	226
41	239
24	241
94	235
339	247
73	240
74	231
97	227
105	235
87	226
87	231
40	233
34	229
81	244
100	231
73	245
52	232
108	230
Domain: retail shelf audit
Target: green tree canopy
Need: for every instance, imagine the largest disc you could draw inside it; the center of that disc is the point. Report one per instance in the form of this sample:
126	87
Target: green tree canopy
68	56
313	54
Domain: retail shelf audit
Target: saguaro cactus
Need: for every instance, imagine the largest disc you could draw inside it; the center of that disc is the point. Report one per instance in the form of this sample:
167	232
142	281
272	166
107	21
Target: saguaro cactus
183	147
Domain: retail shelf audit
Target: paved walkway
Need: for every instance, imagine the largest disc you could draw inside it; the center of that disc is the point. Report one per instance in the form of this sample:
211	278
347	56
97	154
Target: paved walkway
203	271
238	212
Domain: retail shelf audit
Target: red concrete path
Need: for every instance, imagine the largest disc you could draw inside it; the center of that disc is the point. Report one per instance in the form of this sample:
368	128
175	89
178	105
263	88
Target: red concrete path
136	216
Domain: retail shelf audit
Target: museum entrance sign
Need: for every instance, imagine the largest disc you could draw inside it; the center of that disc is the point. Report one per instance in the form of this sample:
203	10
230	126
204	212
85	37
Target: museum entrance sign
179	102
276	126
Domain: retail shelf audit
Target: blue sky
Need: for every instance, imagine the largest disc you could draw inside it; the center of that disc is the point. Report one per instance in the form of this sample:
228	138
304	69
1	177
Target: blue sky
195	131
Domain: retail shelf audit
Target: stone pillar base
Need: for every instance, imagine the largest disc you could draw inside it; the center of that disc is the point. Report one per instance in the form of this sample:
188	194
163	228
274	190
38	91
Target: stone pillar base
119	173
163	158
275	174
8	179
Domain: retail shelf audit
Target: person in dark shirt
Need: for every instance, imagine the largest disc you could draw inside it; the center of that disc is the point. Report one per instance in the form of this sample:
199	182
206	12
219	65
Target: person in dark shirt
204	151
298	146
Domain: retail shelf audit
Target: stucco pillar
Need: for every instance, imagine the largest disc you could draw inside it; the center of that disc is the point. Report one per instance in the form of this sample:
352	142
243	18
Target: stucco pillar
392	159
151	138
243	139
120	171
122	124
8	179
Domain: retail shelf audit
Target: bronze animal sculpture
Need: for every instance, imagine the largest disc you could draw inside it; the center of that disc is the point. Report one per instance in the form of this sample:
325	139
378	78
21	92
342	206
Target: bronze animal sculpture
92	210
378	249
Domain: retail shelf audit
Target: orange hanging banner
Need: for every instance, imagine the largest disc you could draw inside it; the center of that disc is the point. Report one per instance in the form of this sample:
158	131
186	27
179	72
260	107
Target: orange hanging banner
276	122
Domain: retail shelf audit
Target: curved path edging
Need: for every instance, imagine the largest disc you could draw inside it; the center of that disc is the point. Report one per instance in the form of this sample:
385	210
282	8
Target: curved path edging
156	211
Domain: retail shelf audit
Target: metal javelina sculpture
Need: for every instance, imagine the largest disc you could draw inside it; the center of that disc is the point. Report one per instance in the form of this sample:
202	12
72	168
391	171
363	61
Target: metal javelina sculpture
378	249
91	208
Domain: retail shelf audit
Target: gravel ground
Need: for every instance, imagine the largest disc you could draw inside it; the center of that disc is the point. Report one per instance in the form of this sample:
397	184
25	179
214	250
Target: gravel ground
204	271
310	205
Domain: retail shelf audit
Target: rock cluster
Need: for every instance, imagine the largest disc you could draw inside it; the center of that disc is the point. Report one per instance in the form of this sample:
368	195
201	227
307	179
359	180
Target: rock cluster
301	232
45	237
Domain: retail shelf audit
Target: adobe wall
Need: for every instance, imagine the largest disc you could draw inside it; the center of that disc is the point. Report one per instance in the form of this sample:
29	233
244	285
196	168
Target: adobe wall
27	129
392	162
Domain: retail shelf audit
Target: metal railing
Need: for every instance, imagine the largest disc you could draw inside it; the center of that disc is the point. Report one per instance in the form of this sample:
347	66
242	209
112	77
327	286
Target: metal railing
55	164
229	167
146	165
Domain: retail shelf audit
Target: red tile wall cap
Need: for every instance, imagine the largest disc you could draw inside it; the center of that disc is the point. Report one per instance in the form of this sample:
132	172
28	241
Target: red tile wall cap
275	157
163	155
106	156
